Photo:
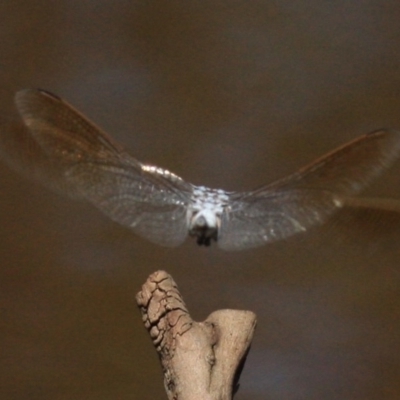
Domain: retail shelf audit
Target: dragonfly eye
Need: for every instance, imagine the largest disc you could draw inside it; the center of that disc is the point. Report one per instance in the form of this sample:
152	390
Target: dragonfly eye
204	226
204	218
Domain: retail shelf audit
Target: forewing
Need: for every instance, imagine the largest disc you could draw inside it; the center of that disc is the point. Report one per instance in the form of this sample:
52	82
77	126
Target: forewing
151	204
88	164
61	130
22	152
308	197
348	169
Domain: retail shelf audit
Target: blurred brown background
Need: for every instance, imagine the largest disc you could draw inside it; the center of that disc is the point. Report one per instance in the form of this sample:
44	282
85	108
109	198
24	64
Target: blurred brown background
230	94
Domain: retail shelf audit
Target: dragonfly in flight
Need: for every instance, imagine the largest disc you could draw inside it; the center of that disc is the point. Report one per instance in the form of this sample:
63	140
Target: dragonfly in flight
62	149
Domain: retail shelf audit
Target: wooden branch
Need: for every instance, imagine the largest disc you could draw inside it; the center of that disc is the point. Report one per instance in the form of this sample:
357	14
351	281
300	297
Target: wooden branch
200	360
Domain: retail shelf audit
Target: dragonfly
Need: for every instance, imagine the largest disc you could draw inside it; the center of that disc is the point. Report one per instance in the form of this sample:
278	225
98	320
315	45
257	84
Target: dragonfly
66	152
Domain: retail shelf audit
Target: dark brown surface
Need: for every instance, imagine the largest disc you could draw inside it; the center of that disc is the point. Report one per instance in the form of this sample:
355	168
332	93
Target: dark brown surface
231	95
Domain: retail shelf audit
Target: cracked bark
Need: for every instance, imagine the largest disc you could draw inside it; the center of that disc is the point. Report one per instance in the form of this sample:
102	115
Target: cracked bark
200	360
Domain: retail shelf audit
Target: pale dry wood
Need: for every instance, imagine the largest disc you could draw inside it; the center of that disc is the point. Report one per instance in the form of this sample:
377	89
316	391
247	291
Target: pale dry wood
200	360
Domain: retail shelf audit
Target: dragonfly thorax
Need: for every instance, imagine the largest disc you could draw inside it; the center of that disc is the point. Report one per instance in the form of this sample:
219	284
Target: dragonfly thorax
204	213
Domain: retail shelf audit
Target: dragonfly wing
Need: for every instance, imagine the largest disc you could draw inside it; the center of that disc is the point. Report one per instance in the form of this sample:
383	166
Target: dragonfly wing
52	137
348	169
60	128
308	197
70	154
151	205
252	222
22	152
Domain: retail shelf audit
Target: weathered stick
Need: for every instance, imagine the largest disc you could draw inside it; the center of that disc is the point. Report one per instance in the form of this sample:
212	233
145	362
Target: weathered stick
200	360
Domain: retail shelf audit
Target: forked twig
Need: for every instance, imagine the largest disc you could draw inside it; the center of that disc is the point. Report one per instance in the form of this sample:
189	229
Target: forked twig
200	360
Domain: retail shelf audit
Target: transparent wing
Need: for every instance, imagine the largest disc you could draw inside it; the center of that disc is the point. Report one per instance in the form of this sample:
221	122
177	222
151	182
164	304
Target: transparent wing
362	224
308	197
68	153
22	152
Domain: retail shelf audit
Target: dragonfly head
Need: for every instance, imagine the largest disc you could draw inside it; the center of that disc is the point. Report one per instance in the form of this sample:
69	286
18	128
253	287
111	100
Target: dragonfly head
204	225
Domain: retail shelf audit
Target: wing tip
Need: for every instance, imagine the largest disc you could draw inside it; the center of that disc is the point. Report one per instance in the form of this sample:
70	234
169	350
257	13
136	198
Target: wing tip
25	94
48	93
392	133
384	130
